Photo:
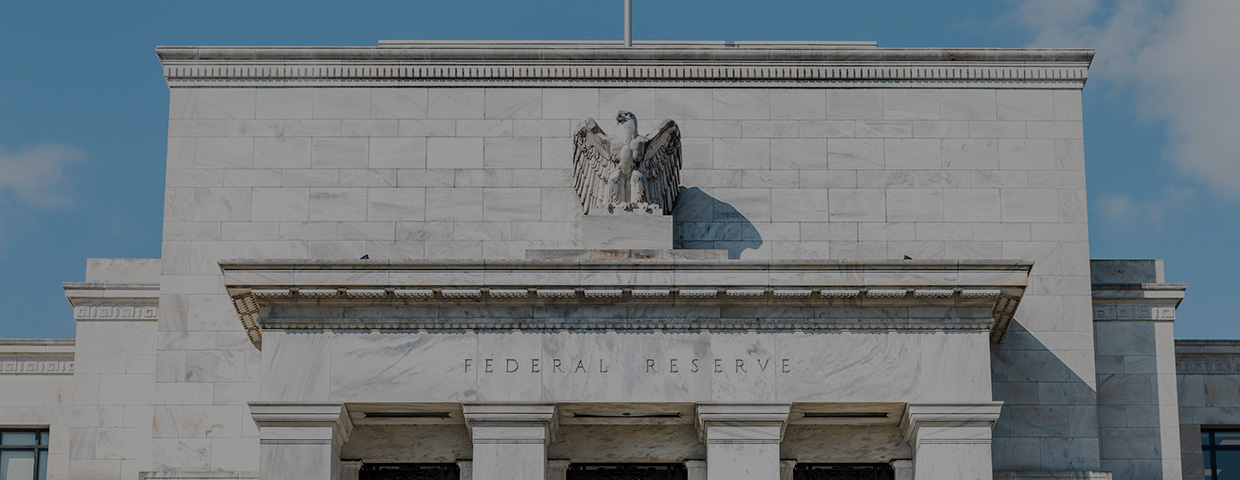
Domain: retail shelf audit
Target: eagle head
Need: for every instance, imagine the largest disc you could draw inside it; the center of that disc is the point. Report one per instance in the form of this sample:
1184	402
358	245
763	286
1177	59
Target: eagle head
625	115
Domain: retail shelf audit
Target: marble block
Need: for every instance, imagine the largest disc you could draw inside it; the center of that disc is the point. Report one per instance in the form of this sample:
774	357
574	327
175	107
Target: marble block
627	231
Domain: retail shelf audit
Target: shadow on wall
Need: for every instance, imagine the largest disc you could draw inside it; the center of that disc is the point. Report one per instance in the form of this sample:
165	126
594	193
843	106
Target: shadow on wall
1045	405
705	222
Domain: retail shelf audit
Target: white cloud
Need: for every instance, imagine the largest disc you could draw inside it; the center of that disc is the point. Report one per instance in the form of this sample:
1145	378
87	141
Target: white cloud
1178	60
35	176
1122	212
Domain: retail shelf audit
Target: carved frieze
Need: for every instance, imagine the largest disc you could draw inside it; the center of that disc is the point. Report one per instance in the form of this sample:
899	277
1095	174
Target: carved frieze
116	312
1207	364
1133	312
32	366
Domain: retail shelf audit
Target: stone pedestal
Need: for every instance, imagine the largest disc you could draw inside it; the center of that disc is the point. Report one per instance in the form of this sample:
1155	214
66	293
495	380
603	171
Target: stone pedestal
510	439
627	231
742	439
951	441
300	441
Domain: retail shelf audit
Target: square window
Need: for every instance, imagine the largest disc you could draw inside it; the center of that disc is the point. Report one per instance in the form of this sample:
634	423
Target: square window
23	455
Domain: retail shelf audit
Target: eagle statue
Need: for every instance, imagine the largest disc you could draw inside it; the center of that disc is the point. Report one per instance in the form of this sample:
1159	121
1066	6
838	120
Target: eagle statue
626	171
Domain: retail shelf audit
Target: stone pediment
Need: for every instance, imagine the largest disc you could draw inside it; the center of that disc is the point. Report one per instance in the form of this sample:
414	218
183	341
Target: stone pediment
404	295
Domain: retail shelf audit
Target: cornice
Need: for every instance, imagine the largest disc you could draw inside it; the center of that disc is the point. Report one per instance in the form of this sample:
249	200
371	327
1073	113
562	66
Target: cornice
391	290
546	64
113	301
1150	302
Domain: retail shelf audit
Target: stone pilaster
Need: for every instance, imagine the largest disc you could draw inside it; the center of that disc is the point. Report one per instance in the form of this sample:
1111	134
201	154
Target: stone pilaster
742	439
114	371
300	440
467	469
510	439
1134	340
951	441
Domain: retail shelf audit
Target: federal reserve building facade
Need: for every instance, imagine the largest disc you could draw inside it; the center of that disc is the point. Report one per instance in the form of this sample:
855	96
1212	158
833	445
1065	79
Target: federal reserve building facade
572	261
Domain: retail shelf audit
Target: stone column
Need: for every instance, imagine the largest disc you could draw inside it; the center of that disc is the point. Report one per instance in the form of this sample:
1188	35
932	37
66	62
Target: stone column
951	441
742	439
510	439
349	470
696	469
467	469
300	440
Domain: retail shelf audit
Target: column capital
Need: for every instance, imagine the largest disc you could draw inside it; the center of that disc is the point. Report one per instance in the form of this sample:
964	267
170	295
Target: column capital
947	419
505	416
743	415
273	417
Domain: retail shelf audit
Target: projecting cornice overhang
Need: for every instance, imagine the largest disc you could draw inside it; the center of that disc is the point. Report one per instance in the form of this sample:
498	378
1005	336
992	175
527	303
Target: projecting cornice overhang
1137	301
586	64
625	295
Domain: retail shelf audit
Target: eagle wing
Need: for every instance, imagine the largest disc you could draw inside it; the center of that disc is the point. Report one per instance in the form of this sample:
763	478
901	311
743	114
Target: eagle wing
592	162
661	165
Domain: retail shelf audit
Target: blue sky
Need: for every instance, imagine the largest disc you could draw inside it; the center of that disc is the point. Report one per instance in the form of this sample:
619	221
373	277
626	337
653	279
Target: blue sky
83	111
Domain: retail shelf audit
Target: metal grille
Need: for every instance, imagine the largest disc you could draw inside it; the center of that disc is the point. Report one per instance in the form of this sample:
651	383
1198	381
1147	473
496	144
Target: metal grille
445	471
842	472
627	472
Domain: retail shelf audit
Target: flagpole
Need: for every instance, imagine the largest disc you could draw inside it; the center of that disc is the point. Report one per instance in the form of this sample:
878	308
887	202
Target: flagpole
628	23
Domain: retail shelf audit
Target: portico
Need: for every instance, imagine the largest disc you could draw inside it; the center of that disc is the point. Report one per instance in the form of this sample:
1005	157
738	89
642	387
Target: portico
509	365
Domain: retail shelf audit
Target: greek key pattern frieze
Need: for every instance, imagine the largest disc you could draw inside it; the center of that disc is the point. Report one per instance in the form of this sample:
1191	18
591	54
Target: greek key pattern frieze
1207	365
1133	312
115	312
35	367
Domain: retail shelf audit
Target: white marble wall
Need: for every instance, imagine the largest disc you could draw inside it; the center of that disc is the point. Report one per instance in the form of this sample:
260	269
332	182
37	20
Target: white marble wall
41	400
484	173
1138	408
1208	382
115	362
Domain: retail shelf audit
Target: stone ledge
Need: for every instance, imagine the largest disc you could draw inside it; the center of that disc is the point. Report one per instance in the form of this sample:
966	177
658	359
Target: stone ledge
627	254
679	64
983	294
1042	475
197	475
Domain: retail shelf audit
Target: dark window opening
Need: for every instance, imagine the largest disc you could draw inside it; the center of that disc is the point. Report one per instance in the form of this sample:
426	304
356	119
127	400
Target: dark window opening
410	471
1220	452
837	471
23	454
628	472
